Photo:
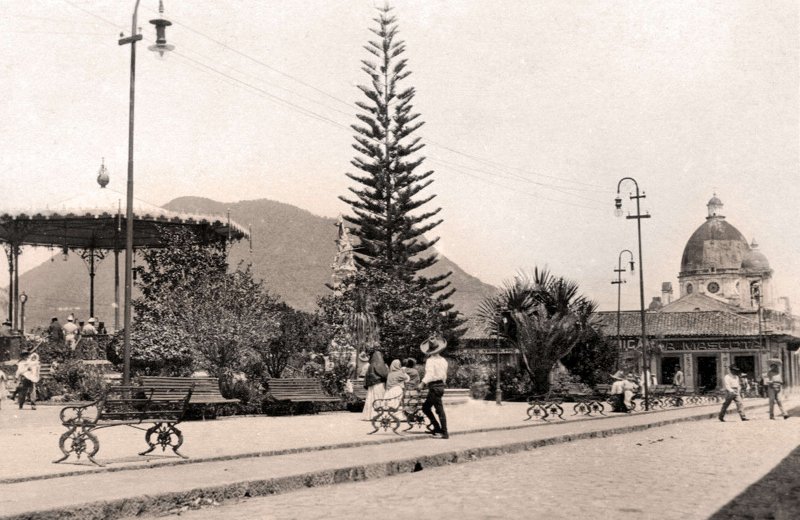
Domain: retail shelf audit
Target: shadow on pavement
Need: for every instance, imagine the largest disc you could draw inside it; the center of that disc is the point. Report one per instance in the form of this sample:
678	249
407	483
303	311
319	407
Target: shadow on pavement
776	496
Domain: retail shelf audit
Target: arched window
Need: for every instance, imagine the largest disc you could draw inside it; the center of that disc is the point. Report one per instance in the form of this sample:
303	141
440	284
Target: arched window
689	288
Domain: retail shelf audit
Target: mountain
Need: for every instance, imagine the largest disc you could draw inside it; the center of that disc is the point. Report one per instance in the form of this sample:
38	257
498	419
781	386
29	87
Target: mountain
292	251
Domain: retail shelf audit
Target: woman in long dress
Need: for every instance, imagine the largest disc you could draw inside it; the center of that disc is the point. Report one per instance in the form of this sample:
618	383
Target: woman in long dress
374	382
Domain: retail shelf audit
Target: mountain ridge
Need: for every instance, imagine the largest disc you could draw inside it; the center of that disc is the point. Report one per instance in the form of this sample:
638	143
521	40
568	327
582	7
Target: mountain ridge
291	249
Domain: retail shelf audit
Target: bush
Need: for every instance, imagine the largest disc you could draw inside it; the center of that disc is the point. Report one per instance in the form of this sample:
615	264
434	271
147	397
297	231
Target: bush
76	381
250	394
467	368
333	382
514	383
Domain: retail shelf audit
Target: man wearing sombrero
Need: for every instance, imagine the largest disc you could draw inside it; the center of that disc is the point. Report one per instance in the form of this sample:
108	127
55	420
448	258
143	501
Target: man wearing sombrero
774	384
435	378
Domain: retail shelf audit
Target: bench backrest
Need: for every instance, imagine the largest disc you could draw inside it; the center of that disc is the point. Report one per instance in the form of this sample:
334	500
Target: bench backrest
286	388
126	403
201	386
602	389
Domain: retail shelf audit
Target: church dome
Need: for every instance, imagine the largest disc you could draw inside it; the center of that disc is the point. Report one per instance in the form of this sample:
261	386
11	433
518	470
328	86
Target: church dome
715	245
755	260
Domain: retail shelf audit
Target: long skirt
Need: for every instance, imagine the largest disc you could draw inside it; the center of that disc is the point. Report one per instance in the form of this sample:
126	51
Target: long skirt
373	392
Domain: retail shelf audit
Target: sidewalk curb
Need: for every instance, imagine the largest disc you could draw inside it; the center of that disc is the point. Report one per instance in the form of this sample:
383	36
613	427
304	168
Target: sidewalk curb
368	441
170	501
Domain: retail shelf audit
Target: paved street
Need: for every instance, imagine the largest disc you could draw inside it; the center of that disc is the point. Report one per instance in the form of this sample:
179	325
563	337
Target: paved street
681	471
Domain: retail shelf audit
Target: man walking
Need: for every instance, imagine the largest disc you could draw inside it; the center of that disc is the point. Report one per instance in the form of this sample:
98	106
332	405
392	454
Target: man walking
731	382
774	384
435	378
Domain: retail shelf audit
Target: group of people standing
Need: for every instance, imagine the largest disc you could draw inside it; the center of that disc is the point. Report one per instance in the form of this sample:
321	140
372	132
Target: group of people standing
390	382
72	331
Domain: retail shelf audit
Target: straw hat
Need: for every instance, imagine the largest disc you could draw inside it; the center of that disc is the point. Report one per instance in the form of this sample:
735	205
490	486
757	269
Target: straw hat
363	357
433	345
619	375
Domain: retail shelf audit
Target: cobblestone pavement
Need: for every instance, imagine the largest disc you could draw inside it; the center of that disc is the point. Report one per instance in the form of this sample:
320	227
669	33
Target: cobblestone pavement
777	495
681	471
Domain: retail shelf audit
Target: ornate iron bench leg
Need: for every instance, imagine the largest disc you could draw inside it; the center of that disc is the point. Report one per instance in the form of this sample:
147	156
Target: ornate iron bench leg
538	409
79	440
166	435
385	418
415	418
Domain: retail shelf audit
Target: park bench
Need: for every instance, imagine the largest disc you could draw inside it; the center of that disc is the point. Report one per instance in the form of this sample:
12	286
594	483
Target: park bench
205	393
359	392
132	406
300	390
405	408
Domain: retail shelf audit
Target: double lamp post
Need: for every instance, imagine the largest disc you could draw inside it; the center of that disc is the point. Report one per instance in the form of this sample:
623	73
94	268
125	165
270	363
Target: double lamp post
638	217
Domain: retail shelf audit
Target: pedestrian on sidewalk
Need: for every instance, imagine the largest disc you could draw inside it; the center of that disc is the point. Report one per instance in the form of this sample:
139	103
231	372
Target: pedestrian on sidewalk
435	378
28	375
374	382
731	382
774	385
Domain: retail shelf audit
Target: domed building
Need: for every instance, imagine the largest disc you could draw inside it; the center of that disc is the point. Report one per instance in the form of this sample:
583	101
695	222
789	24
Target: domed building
718	261
726	314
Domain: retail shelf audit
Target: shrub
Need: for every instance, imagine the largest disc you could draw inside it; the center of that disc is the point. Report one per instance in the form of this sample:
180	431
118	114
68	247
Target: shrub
76	381
514	383
467	368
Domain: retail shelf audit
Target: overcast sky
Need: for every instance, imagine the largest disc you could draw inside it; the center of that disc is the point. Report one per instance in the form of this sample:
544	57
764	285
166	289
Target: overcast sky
534	110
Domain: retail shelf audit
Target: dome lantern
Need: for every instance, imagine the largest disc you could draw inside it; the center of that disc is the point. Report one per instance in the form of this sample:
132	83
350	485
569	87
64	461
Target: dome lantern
715	207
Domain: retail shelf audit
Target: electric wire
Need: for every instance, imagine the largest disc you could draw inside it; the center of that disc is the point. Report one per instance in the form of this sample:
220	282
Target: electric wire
310	113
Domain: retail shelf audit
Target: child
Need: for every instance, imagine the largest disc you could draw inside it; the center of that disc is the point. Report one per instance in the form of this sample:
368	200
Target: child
413	374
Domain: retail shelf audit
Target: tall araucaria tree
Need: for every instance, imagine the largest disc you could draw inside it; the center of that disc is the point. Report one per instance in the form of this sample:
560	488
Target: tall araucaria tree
389	220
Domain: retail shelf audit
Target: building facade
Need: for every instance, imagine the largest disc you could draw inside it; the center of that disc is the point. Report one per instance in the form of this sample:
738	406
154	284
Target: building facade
727	314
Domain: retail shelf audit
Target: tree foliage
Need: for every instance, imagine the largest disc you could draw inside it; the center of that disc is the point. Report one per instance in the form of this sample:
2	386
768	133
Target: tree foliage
403	314
195	314
389	220
545	317
298	331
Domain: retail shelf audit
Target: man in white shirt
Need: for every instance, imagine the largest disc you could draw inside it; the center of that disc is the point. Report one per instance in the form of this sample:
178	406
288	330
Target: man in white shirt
435	378
731	382
71	332
678	379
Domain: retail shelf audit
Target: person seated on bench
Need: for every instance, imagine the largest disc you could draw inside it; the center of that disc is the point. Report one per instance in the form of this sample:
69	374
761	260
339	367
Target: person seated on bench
395	383
413	374
629	387
617	391
374	382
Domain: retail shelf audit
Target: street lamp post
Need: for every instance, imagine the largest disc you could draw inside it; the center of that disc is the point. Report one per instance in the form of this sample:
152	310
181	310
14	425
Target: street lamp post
22	299
618	282
638	217
160	46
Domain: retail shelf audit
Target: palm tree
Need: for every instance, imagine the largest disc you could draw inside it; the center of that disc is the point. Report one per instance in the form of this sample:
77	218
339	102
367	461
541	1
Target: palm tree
545	317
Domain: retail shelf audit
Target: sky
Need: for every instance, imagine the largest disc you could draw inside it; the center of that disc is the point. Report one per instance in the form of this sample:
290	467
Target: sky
534	111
